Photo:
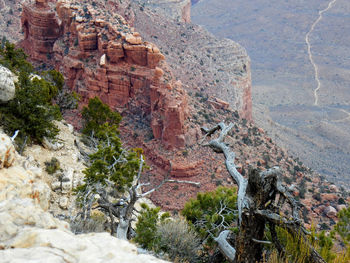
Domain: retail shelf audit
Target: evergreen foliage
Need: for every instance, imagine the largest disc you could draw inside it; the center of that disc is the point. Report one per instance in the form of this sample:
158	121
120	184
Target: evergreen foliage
95	115
110	163
343	226
52	166
31	111
212	212
146	227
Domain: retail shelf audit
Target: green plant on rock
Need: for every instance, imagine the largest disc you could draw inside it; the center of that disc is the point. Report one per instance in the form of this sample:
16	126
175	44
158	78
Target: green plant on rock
343	226
52	166
146	226
31	111
162	234
179	241
14	59
113	171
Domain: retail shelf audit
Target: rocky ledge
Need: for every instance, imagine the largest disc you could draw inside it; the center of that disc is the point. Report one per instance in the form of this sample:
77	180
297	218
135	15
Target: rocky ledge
28	233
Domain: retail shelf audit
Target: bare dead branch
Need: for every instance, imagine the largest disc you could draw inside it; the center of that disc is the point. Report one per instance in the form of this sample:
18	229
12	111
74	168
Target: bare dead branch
225	247
265	242
219	146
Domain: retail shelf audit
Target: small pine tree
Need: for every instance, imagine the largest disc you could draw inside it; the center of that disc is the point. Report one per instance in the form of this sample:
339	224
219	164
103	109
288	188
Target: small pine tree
95	115
146	227
212	212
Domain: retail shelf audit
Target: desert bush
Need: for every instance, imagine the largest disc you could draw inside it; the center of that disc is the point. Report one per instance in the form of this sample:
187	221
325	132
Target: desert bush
52	166
178	240
93	224
212	212
146	226
159	233
343	225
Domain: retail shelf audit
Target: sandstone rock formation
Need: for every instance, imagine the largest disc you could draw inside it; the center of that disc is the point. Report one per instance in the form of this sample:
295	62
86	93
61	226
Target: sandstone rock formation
30	234
41	29
7	85
210	67
101	55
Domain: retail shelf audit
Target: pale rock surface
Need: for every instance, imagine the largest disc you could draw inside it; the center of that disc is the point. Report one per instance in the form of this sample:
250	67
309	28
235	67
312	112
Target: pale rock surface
7	84
330	212
7	151
30	234
71	168
52	145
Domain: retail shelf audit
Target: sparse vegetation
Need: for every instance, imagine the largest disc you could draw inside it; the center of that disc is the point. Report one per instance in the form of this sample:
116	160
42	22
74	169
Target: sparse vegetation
52	166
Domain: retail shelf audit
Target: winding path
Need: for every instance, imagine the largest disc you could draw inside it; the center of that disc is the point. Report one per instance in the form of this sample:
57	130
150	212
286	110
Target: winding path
307	40
343	119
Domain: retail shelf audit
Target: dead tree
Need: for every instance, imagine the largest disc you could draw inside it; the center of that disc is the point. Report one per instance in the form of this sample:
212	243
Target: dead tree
260	199
119	207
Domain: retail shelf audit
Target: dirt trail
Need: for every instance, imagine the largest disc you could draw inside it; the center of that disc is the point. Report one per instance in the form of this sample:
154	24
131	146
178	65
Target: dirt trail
307	40
343	119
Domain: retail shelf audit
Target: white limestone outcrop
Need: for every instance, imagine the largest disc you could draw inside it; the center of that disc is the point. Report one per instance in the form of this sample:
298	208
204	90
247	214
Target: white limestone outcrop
7	84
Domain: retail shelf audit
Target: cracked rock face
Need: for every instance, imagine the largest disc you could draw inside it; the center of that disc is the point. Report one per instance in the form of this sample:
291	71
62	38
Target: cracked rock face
7	85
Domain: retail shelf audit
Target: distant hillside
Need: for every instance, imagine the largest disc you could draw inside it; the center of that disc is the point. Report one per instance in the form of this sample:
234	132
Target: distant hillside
274	32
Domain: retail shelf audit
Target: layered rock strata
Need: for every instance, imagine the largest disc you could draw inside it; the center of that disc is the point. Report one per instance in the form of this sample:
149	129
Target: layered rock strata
41	28
101	55
210	67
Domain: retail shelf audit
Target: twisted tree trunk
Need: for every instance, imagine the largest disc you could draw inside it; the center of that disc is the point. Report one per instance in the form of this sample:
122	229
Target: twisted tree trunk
257	205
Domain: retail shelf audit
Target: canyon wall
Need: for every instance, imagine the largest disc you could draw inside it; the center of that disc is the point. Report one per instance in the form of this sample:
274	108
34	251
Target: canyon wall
41	28
210	67
101	55
176	9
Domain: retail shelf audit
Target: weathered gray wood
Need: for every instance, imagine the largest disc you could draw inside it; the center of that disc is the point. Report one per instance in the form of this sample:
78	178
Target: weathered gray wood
256	200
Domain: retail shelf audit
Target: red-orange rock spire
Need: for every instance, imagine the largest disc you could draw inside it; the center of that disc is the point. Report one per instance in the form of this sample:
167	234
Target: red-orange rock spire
101	55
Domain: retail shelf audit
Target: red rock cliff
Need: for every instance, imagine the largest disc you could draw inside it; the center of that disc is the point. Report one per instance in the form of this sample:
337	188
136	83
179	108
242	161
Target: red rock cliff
101	55
41	29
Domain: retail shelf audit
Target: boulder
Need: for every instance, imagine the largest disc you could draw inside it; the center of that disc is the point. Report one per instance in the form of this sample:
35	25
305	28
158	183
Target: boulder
51	144
7	85
330	212
329	197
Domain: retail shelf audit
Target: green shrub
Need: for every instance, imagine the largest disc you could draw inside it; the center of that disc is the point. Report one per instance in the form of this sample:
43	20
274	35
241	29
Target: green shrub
14	59
178	240
146	227
212	212
95	115
31	111
161	234
343	225
52	166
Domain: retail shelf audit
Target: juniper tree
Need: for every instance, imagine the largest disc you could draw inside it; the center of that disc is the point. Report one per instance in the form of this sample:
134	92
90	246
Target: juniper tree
113	178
